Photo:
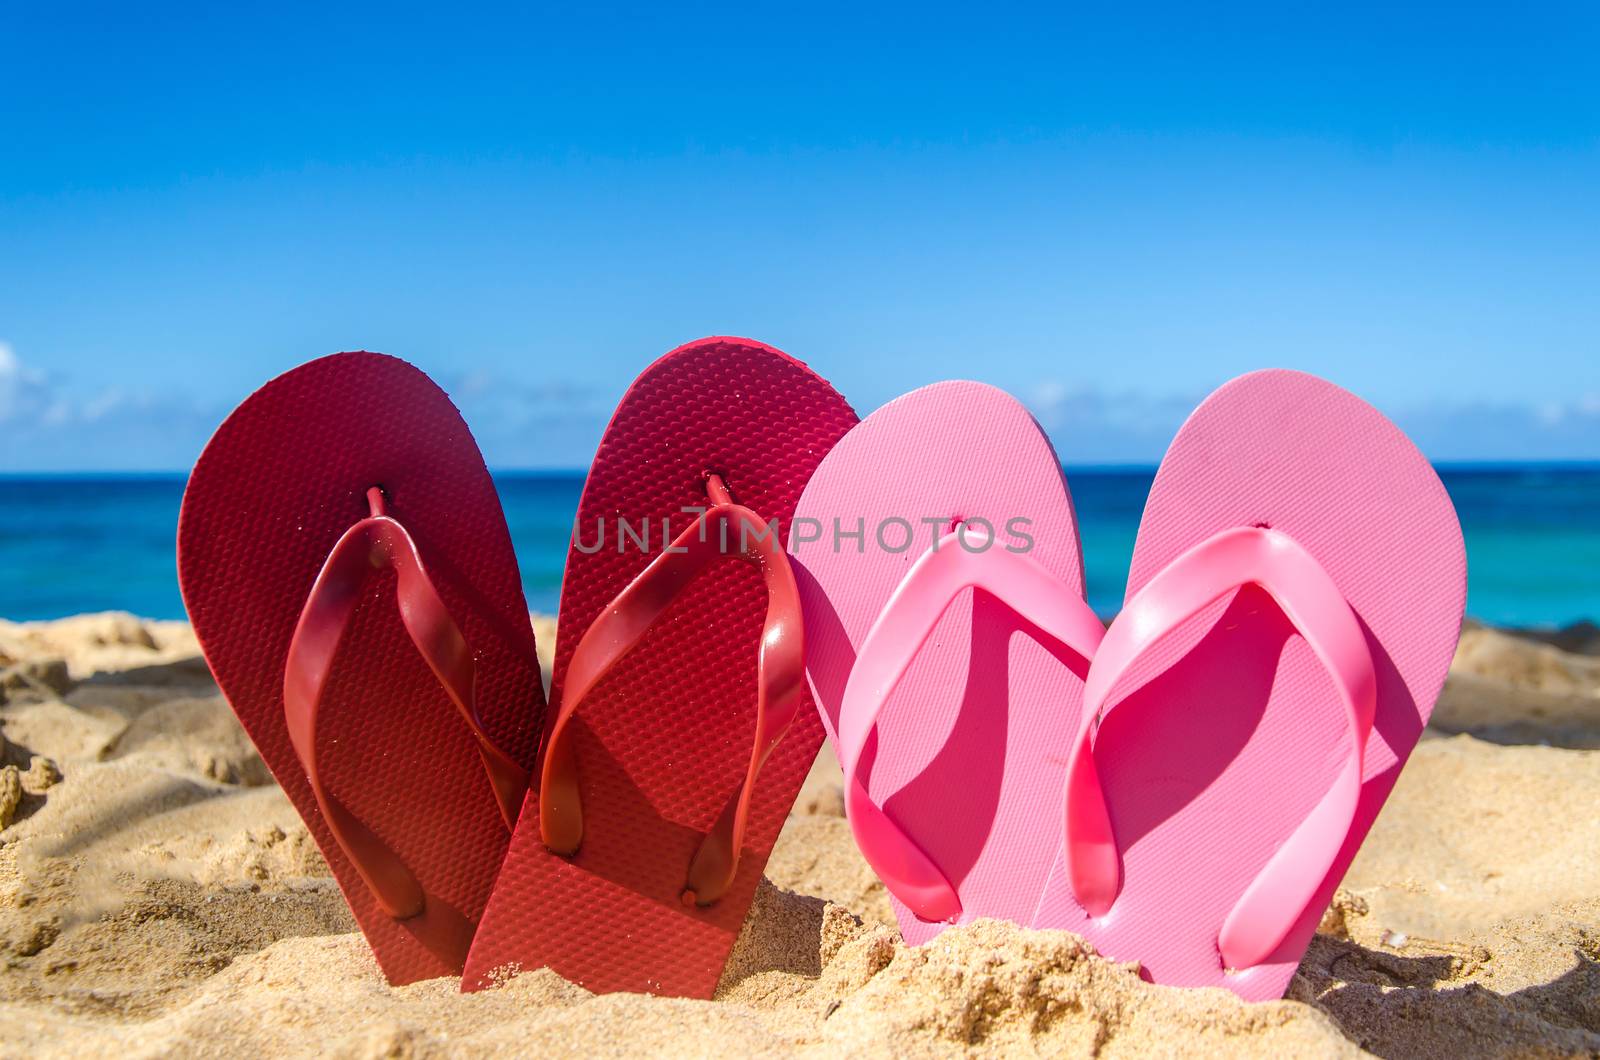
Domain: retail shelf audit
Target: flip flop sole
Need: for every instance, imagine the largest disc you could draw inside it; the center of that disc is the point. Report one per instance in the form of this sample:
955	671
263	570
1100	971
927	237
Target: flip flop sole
971	747
1234	732
663	741
284	476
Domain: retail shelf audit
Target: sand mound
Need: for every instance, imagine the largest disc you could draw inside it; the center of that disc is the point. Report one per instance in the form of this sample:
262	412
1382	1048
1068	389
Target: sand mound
158	896
1556	700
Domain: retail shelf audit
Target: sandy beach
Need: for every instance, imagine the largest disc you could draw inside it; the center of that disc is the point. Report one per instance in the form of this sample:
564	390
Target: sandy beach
159	897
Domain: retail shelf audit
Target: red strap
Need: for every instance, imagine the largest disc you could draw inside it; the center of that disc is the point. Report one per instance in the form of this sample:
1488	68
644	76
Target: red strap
374	543
620	627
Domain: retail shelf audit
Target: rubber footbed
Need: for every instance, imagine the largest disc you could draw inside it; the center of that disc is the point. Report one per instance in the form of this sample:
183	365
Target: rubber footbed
1228	731
971	748
284	476
663	741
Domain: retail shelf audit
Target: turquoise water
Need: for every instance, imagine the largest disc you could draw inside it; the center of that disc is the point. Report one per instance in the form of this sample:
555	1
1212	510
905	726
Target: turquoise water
93	543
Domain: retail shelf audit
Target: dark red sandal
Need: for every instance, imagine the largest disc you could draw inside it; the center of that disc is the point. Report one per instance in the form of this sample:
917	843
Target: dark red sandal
685	727
347	568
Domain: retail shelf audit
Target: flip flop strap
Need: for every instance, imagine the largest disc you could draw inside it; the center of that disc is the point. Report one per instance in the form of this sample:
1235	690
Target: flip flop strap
1311	600
902	628
625	622
375	543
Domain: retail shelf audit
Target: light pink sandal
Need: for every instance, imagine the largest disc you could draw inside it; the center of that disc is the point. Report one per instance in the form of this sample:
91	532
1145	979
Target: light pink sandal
952	710
1293	605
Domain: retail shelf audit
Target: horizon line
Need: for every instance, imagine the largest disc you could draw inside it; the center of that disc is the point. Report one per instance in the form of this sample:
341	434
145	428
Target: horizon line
1578	464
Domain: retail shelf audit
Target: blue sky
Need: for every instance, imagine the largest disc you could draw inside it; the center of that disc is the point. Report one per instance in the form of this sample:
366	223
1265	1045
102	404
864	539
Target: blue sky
1106	216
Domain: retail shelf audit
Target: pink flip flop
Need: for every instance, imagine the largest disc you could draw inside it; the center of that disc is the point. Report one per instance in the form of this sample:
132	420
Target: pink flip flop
952	710
1293	605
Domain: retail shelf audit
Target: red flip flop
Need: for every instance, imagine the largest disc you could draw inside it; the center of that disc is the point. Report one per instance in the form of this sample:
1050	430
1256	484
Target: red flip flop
346	565
684	727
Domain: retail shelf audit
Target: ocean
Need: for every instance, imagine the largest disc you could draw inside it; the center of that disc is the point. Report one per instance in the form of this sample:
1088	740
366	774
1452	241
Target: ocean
70	544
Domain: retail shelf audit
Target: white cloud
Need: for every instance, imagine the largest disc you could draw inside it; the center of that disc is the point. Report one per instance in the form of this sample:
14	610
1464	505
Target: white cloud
48	426
1559	430
56	413
16	381
51	424
103	403
522	424
9	368
48	423
1090	426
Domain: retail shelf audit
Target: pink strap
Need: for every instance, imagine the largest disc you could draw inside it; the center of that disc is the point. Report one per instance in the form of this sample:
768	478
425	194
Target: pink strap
374	543
624	623
902	628
1309	598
